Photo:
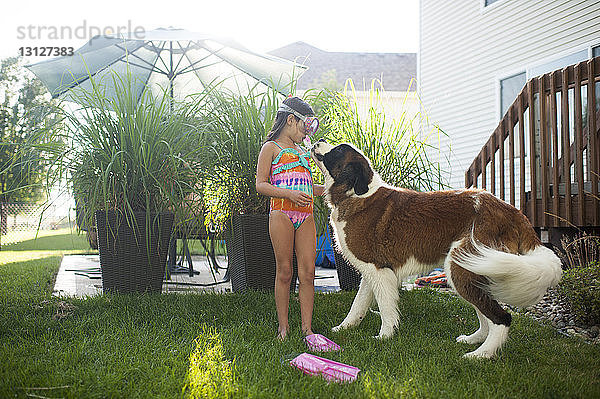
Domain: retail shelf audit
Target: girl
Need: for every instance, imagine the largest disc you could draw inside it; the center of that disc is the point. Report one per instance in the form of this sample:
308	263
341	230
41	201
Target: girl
283	173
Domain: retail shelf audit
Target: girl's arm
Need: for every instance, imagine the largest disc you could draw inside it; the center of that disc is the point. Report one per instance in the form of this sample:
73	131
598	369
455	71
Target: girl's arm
263	171
318	189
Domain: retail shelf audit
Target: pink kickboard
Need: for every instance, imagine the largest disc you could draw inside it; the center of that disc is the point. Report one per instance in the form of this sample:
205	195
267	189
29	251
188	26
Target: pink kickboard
328	369
320	343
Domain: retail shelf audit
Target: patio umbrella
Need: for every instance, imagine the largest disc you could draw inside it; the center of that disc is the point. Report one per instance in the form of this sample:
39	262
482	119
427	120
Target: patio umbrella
165	60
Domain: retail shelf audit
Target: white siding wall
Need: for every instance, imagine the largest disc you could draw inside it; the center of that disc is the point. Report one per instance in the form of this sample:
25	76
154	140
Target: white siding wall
465	49
394	104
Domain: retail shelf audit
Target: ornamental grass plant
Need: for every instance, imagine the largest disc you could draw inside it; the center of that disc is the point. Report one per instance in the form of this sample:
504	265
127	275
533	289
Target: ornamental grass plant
401	148
239	123
128	152
133	161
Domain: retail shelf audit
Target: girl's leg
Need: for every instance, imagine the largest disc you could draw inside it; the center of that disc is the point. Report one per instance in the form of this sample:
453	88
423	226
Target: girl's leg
306	251
281	231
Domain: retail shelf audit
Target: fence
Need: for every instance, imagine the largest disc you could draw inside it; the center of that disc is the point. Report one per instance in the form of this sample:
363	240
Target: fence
20	221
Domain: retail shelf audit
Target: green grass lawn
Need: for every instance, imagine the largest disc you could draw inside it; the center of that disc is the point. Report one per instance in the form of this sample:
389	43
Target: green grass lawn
215	345
60	241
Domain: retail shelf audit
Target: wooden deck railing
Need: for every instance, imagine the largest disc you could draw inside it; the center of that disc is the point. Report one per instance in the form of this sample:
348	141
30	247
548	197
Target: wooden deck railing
558	160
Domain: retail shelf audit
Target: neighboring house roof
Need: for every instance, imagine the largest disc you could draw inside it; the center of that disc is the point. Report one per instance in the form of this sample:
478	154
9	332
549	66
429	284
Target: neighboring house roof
395	70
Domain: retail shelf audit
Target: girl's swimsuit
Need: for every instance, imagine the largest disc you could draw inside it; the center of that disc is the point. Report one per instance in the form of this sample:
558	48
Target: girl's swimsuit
291	170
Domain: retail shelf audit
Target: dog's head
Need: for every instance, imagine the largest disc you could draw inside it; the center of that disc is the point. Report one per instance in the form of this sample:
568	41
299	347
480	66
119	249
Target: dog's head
345	168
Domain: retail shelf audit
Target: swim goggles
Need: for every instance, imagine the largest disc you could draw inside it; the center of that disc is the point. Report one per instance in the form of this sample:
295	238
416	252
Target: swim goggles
311	123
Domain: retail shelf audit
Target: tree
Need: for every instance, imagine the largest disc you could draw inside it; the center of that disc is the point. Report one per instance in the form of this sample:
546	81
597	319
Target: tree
24	106
328	80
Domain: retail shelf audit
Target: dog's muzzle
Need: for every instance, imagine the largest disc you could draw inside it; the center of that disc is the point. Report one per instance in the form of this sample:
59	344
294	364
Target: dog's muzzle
317	150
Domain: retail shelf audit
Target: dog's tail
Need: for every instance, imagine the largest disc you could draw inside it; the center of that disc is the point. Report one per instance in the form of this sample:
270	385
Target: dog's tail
519	280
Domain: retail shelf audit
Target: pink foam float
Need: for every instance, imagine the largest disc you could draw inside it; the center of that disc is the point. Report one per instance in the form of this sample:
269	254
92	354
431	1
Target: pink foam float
320	343
325	368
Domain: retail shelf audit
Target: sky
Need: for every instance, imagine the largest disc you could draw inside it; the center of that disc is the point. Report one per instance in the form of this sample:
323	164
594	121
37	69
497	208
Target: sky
388	26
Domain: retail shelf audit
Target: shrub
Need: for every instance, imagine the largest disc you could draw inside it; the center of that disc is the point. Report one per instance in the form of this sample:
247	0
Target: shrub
581	288
402	150
580	283
241	122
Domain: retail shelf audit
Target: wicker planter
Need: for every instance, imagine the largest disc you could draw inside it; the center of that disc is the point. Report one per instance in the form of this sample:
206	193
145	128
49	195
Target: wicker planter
128	266
250	254
348	276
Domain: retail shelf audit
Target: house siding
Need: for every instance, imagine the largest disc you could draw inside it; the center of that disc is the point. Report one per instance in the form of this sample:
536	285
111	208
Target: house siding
465	49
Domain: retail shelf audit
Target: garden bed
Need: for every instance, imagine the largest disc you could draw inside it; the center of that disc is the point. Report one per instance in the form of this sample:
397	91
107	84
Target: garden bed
554	310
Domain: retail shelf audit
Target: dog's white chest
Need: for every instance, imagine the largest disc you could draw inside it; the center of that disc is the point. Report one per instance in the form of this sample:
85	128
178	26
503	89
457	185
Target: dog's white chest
341	239
338	230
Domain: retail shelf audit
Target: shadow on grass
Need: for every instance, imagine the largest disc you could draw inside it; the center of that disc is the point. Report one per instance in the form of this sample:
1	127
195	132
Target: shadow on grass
59	242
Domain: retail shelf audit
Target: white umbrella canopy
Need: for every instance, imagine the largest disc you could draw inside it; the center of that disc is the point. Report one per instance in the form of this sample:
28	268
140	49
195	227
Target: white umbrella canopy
165	60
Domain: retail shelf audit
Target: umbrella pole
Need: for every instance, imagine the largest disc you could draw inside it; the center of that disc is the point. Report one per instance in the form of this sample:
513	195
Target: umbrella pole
171	74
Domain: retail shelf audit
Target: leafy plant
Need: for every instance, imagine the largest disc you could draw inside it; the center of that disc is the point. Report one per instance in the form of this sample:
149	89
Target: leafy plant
581	288
580	282
398	150
130	152
240	123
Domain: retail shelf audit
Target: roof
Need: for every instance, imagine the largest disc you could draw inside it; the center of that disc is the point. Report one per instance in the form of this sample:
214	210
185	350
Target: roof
395	70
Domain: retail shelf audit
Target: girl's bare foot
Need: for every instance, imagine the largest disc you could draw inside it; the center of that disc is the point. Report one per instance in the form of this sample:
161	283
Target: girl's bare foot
307	332
282	334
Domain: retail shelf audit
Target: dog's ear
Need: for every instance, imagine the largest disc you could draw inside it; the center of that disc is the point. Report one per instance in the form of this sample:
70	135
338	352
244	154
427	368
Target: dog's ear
355	175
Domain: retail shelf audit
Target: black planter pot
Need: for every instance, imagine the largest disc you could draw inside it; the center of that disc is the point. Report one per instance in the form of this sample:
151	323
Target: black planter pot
250	254
348	276
128	264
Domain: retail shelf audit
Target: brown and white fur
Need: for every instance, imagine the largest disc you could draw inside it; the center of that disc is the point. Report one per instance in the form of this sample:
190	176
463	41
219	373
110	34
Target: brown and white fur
489	250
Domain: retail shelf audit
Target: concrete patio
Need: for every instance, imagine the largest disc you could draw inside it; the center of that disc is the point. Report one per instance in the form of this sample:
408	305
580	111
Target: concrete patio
79	276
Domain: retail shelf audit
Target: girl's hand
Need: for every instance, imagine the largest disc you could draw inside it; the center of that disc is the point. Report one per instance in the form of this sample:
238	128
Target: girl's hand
299	198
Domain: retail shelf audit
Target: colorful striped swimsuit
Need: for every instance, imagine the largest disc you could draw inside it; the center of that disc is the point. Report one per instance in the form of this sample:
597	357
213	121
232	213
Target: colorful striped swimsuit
291	170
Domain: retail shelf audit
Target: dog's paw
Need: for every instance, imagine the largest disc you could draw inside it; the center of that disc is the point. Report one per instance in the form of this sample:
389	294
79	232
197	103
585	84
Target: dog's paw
470	339
479	354
463	339
384	335
338	328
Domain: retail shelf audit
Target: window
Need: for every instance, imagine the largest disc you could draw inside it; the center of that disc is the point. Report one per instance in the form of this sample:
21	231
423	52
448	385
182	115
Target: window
509	89
558	63
511	86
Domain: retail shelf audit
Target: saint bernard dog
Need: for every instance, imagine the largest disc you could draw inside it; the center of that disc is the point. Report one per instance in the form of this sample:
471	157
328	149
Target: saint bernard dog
489	250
